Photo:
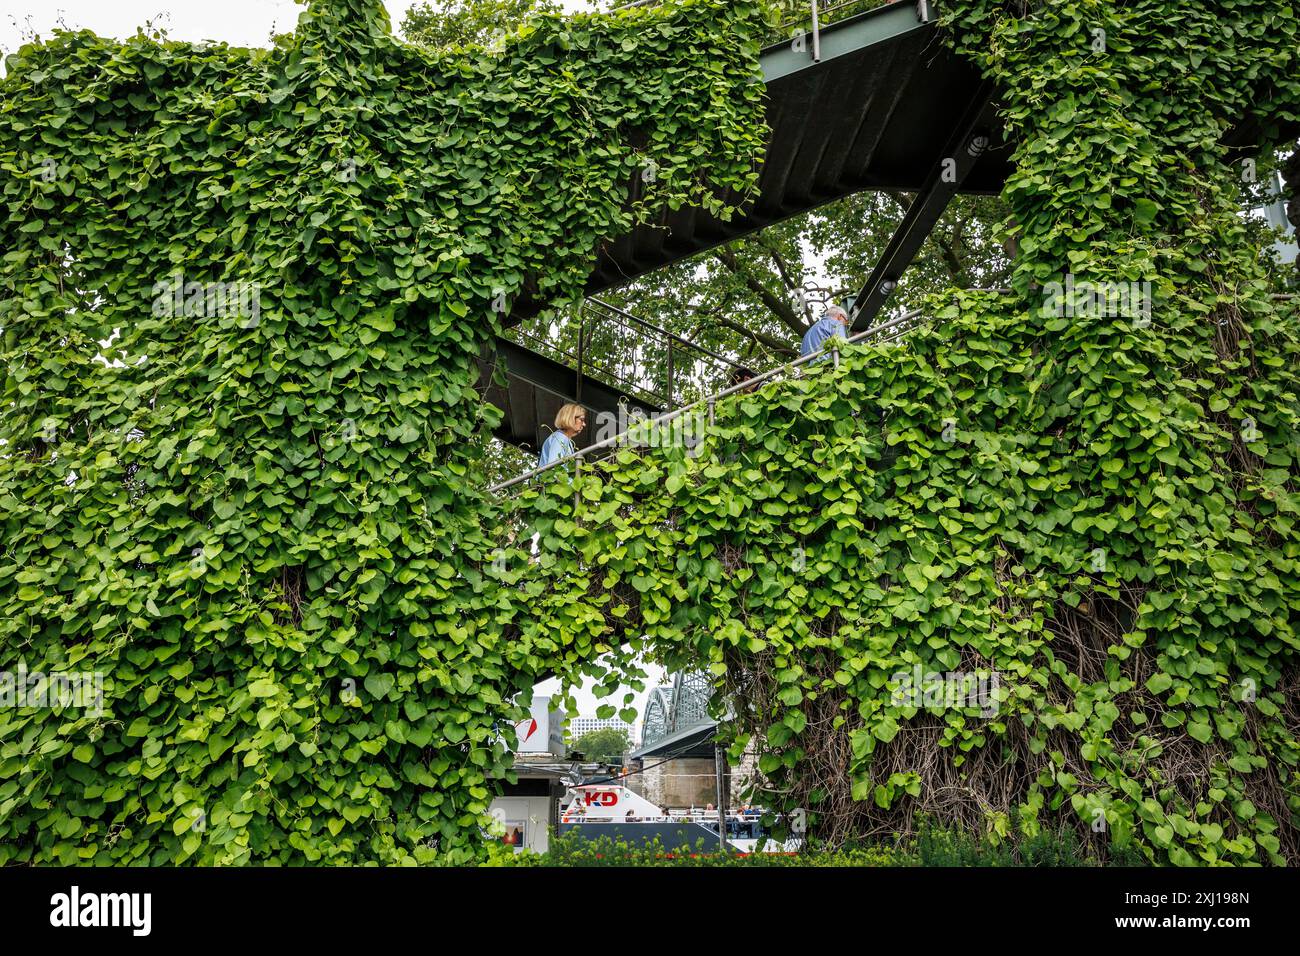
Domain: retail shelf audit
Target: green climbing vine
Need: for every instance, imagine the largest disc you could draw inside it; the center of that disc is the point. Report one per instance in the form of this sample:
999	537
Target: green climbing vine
241	298
1038	564
242	295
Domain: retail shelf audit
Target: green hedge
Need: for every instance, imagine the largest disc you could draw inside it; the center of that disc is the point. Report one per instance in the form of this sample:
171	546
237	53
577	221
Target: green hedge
1096	502
930	846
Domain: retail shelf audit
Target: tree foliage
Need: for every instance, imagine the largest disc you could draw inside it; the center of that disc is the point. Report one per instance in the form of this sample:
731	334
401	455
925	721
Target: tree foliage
445	23
751	299
256	516
602	744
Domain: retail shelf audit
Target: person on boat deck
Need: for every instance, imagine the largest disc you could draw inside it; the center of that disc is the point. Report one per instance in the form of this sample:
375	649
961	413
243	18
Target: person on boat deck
834	322
570	420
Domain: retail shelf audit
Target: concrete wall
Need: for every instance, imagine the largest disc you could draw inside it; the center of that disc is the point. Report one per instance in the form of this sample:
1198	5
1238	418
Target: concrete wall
1291	176
685	782
1291	198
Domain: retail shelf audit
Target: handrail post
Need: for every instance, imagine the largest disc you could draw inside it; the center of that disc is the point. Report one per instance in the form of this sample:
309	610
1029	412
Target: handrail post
835	356
817	34
671	401
582	329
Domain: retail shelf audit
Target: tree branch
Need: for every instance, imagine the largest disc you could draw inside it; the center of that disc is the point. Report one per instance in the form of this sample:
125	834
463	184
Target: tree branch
903	200
774	304
776	345
779	261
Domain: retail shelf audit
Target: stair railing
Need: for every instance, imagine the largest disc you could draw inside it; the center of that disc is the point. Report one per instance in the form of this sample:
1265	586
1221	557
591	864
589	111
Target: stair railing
806	28
884	332
650	363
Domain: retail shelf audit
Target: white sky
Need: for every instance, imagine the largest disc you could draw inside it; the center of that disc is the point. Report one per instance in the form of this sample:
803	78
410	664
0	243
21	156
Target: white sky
238	22
588	702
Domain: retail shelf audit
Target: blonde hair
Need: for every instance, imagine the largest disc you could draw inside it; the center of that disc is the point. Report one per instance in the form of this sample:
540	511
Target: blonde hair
567	417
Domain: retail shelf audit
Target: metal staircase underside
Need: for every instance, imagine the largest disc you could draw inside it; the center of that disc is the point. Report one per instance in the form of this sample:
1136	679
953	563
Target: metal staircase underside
880	110
874	113
536	386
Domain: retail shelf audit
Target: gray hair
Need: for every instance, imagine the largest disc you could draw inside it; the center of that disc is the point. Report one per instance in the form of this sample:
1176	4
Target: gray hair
834	311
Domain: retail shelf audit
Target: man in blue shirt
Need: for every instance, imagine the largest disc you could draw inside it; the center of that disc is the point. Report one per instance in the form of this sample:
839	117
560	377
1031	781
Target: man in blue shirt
834	323
569	423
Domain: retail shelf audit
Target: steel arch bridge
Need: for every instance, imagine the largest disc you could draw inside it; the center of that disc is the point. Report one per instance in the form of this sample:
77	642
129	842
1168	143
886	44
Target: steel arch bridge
675	707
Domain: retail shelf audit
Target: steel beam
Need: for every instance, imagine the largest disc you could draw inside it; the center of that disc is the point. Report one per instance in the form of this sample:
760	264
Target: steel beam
971	139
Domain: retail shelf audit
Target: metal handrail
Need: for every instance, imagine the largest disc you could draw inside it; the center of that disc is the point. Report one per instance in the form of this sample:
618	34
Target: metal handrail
658	330
682	359
890	330
817	13
824	10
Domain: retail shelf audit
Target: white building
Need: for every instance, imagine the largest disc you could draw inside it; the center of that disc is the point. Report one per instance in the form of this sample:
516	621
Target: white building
530	807
585	725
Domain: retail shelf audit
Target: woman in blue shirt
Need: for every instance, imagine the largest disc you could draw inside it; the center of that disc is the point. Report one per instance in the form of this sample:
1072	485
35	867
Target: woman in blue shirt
569	423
